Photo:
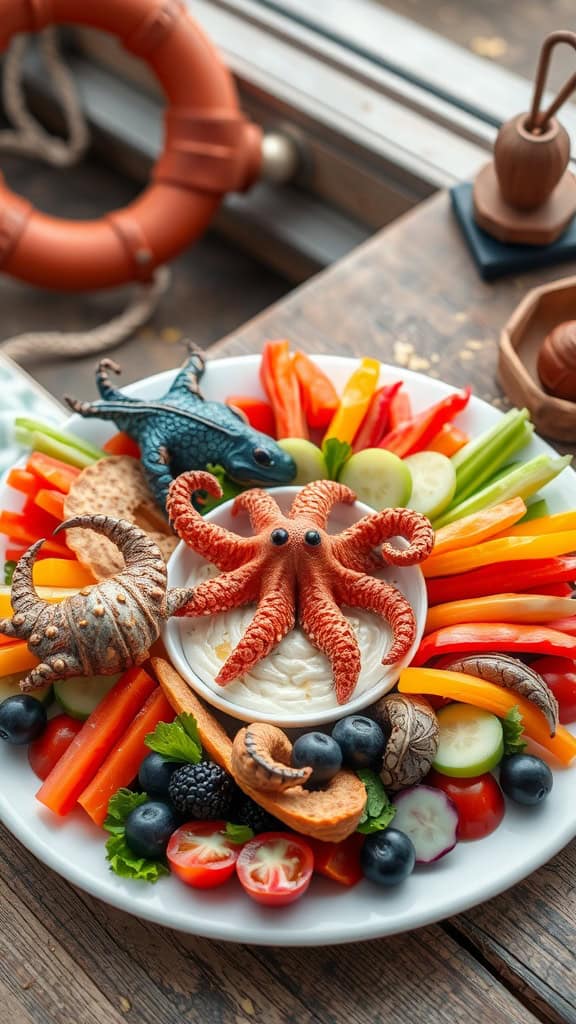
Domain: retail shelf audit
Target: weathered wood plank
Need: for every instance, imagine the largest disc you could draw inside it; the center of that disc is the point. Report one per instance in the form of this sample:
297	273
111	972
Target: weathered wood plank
153	974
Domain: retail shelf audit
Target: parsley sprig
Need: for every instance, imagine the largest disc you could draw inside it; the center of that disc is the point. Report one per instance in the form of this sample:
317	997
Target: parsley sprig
378	812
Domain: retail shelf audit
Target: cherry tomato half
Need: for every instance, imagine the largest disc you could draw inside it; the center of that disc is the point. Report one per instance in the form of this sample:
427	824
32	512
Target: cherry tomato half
201	854
275	868
47	750
479	802
560	675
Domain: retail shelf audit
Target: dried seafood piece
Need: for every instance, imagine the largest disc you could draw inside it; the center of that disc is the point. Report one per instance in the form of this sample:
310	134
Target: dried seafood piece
413	739
512	674
116	487
261	756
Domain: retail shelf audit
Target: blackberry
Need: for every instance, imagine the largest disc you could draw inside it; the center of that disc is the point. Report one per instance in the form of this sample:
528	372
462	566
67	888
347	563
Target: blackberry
246	812
202	791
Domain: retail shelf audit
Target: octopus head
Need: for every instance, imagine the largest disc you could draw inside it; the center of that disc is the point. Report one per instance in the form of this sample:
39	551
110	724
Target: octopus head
298	538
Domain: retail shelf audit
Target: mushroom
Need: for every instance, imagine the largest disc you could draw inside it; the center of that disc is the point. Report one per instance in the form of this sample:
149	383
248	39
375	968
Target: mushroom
512	674
261	756
413	739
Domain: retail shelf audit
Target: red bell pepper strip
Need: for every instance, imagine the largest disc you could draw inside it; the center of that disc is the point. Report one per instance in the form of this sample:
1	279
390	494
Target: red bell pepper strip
280	383
375	422
475	637
23	481
15	554
122	444
339	861
400	409
319	397
550	589
416	434
39	521
567	625
121	766
15	526
259	414
52	472
99	734
52	502
532	574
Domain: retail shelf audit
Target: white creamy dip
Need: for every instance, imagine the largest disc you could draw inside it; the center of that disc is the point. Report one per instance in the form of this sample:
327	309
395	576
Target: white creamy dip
295	676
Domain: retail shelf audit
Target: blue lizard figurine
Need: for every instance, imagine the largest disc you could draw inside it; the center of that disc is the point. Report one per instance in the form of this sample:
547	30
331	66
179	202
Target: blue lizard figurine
182	431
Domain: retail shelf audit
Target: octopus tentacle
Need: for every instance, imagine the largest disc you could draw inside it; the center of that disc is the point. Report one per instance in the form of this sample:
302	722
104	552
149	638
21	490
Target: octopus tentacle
222	593
274	617
382	598
374	530
316	500
224	549
261	507
328	629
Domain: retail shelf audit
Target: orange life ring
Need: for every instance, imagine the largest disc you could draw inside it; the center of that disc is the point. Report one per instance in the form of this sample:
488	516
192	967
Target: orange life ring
210	148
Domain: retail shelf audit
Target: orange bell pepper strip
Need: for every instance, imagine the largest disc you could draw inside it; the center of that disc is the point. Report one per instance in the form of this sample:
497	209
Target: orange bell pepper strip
15	657
51	595
558	523
121	766
280	383
500	549
319	396
122	444
479	526
259	414
97	737
51	502
532	608
481	694
61	572
52	471
565	625
339	861
506	637
448	440
354	401
23	481
400	409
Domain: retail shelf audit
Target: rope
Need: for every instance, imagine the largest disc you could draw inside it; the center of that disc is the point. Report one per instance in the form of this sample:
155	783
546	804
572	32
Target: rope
30	139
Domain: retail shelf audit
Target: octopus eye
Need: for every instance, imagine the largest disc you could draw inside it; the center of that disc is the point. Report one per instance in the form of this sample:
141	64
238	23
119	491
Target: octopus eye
313	538
262	457
279	537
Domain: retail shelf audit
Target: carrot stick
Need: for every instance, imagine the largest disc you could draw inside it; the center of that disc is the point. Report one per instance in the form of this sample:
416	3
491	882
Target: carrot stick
23	481
60	572
479	526
122	444
121	766
51	502
280	383
15	657
52	471
97	737
490	697
448	440
317	391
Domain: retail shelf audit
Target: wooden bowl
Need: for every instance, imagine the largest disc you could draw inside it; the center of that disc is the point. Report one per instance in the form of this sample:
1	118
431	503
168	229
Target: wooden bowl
540	311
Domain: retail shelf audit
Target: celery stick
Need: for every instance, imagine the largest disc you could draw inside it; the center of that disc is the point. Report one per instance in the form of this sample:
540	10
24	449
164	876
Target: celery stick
61	436
536	510
521	482
484	452
48	446
488	469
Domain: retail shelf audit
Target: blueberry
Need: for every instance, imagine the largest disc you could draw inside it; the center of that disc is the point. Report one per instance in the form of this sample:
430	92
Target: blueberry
22	719
388	857
149	827
319	752
361	741
525	779
155	774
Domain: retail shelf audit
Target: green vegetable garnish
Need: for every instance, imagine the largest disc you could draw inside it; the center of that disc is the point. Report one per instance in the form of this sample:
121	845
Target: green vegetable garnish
122	860
238	833
230	490
336	453
513	729
177	741
39	442
61	437
8	573
378	812
481	459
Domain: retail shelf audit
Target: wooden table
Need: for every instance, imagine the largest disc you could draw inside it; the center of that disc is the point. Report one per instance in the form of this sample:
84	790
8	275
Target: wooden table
409	296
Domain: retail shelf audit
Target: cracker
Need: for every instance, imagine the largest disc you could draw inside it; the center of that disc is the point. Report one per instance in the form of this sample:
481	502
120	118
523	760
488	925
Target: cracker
116	487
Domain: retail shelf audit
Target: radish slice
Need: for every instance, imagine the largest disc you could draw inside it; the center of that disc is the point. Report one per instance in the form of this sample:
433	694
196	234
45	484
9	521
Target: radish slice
430	818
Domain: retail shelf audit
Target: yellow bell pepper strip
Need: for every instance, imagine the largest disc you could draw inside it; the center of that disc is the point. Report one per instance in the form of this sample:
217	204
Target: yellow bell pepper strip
354	401
503	549
479	526
281	385
505	637
527	608
50	594
416	434
558	523
16	657
481	694
61	572
531	574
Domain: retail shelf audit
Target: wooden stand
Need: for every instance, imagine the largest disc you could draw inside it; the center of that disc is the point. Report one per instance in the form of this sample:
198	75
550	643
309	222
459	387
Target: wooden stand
541	226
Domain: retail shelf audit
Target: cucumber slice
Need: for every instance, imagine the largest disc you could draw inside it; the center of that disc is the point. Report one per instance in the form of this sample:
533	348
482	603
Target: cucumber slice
310	464
79	696
10	686
433	482
471	741
378	478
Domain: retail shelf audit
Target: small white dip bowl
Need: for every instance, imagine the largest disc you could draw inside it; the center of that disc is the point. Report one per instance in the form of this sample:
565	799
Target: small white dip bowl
183	567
